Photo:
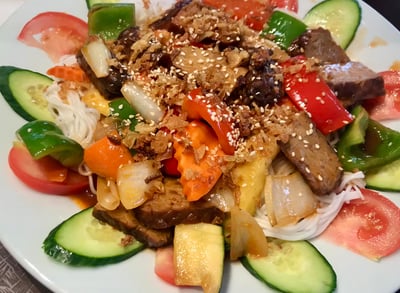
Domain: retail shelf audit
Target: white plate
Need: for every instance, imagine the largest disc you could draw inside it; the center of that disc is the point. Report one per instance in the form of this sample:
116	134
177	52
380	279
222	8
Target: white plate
26	217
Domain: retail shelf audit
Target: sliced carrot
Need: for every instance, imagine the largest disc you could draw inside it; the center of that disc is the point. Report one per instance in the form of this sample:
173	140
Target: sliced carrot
70	73
199	162
105	157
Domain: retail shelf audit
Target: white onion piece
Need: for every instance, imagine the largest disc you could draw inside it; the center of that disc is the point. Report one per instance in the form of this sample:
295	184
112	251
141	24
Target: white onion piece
107	194
97	55
221	196
288	199
142	102
137	182
246	236
315	224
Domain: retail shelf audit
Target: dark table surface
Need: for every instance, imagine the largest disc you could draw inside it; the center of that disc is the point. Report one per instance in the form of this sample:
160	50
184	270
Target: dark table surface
14	279
388	8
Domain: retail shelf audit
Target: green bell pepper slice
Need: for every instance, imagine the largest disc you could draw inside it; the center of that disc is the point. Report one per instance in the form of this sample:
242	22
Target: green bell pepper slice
44	138
123	111
108	20
367	144
284	28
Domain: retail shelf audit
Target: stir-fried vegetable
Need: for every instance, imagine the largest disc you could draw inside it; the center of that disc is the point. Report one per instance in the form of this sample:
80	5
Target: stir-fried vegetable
45	138
284	27
253	12
198	162
122	111
245	235
105	157
98	56
205	141
216	114
71	73
367	144
109	19
311	94
138	182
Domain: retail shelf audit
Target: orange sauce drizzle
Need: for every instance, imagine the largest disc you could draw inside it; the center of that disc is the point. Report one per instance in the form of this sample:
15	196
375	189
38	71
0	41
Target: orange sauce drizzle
84	200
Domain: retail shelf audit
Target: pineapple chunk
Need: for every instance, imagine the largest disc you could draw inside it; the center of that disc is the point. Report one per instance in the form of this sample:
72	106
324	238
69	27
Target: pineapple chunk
199	256
250	178
95	100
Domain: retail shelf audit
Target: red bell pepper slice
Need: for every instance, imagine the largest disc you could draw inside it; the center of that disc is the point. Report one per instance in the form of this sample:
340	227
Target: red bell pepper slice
313	95
216	114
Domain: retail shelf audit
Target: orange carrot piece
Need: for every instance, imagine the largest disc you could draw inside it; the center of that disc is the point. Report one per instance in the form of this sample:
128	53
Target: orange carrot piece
70	73
105	158
198	163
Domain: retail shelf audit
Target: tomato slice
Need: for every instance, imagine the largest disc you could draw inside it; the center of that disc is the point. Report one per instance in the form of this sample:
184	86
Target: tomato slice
388	106
164	264
254	13
43	174
56	33
367	226
216	114
291	5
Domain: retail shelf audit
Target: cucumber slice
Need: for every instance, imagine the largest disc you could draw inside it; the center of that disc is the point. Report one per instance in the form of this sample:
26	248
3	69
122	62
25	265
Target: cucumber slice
292	266
82	240
341	17
24	90
385	178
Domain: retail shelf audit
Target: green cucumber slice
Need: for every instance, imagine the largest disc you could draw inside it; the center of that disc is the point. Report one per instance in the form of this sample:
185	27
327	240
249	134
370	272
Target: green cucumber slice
341	17
292	266
385	178
82	240
24	90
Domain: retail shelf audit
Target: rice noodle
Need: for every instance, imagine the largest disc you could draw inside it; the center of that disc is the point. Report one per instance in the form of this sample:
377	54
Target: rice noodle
313	226
84	171
75	119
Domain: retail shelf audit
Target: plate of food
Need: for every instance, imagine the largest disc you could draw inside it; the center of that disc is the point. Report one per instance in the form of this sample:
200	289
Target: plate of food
162	146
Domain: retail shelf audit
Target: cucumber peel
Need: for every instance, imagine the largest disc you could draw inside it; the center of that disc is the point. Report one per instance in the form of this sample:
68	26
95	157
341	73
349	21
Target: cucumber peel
23	90
385	178
82	240
292	266
341	17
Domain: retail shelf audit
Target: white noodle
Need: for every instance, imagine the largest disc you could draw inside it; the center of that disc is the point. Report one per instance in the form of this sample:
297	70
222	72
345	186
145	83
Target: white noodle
313	226
84	171
75	119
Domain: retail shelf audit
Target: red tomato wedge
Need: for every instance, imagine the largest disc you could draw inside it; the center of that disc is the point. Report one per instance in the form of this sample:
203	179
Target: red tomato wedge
254	13
56	33
388	106
291	5
44	174
369	226
164	264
